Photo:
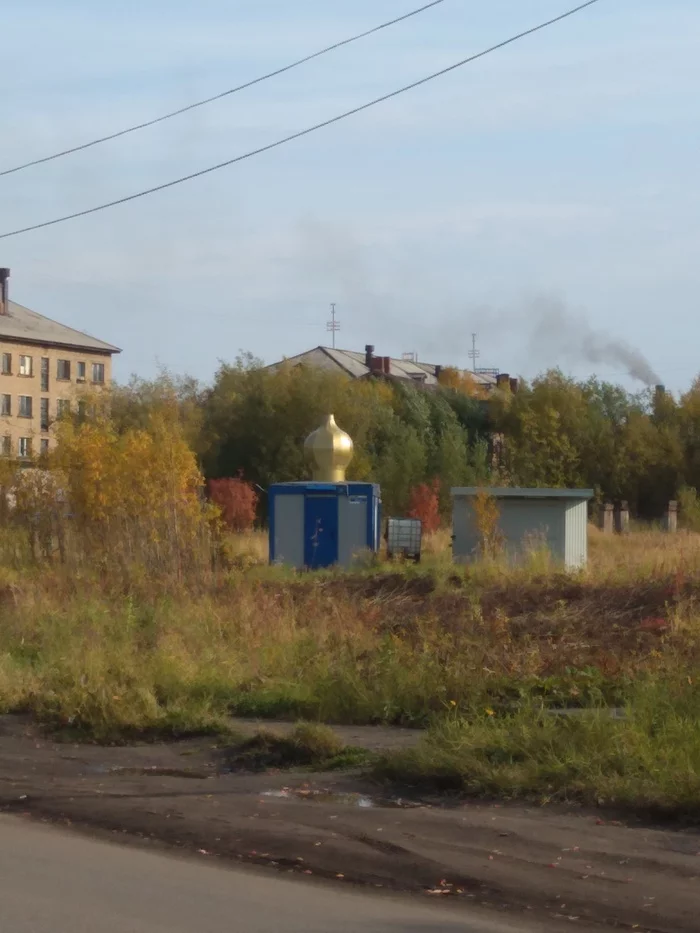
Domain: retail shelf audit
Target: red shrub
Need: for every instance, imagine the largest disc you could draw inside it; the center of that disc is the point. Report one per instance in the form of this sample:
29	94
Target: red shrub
424	503
237	500
656	625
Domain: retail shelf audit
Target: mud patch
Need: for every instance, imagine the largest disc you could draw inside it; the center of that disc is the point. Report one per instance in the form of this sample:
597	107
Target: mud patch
152	771
360	801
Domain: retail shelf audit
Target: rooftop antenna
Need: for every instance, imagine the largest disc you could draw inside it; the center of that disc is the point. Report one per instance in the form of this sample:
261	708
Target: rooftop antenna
333	326
474	354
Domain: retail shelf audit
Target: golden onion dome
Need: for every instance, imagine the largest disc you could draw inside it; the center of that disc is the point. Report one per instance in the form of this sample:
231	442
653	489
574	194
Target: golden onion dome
331	449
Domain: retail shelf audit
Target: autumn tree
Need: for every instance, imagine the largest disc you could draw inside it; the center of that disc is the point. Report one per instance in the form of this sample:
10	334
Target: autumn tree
237	501
555	431
689	427
257	420
461	381
424	504
178	398
544	426
135	496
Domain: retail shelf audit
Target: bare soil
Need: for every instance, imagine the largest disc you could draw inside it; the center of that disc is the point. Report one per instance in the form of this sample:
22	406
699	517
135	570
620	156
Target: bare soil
565	863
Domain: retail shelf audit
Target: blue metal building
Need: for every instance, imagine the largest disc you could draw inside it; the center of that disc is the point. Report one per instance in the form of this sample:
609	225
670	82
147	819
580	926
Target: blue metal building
317	524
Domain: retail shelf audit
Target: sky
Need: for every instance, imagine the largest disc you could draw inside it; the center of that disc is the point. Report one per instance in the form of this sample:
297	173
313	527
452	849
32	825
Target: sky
545	197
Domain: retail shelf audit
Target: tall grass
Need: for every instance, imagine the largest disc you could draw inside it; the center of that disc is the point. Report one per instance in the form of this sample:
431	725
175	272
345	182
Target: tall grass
648	759
79	648
642	555
150	618
138	614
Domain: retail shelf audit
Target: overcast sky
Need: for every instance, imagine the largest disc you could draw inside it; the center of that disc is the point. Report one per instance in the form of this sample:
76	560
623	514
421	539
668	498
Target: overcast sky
538	196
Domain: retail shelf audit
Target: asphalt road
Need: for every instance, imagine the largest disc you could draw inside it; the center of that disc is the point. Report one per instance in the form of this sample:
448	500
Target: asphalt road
53	881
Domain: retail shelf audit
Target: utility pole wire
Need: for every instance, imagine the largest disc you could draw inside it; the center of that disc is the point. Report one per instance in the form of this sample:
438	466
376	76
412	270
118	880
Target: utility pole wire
300	133
233	90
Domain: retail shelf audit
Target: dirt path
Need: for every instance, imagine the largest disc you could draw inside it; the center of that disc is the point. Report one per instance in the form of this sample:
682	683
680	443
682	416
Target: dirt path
546	863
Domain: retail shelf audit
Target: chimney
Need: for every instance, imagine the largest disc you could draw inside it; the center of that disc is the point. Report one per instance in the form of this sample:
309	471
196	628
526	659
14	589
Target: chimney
387	365
438	372
503	381
369	354
659	392
513	385
4	295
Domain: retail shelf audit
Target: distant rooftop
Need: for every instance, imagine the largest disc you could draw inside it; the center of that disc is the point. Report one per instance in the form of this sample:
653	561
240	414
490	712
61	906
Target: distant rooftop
23	324
354	364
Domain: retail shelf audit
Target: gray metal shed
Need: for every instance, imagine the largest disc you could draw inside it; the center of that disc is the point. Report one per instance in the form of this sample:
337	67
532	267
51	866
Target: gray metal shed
556	517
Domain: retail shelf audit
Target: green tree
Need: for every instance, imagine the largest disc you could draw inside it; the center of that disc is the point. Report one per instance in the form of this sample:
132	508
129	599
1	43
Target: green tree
257	421
689	427
133	405
545	427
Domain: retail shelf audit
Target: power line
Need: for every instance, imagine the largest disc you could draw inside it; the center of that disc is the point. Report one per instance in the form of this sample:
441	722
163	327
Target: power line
301	133
233	90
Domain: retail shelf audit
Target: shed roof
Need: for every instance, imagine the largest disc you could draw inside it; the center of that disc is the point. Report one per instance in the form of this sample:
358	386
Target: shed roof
515	492
23	324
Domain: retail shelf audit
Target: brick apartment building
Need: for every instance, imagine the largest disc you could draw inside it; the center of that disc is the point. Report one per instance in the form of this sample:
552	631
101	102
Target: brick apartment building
44	368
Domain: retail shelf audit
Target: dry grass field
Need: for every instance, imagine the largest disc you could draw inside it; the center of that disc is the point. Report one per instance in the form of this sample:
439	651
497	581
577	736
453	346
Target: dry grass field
484	655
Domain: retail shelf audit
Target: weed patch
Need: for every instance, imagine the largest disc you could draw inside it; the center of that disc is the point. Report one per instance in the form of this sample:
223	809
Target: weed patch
348	649
311	746
648	760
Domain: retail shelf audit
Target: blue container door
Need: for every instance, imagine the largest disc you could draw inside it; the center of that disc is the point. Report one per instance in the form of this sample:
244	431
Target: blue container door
320	531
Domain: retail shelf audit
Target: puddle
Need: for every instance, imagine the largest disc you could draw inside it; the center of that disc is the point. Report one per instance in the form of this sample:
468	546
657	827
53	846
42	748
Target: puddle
361	801
101	769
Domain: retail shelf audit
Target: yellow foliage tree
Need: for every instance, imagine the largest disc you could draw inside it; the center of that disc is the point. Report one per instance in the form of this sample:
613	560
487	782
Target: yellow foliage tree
487	516
460	381
135	496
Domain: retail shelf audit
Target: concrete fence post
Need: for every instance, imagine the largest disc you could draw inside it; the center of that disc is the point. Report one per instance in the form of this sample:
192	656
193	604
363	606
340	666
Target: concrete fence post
608	518
622	518
671	517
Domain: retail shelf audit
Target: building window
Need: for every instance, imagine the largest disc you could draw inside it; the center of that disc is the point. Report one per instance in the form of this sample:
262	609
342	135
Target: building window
5	405
98	373
44	445
44	374
24	447
82	367
6	442
62	407
44	414
7	364
26	367
82	409
25	406
63	370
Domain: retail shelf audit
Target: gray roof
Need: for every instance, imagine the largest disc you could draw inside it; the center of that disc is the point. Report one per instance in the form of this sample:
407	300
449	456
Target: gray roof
354	364
516	492
23	324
